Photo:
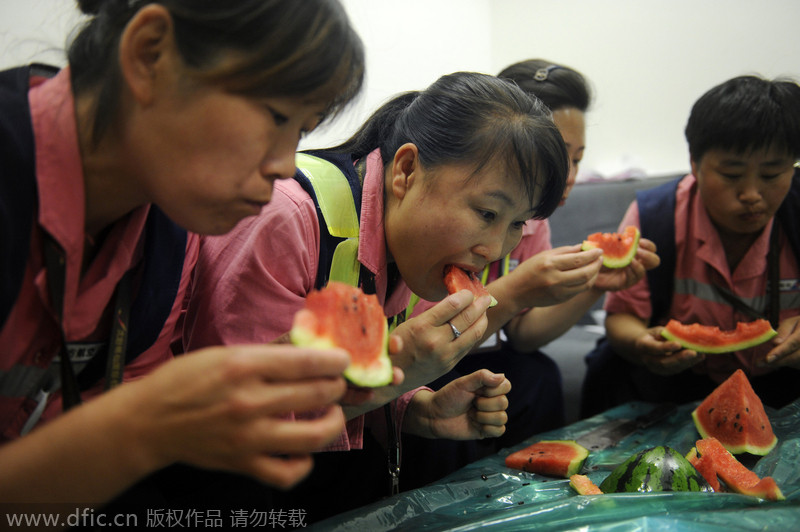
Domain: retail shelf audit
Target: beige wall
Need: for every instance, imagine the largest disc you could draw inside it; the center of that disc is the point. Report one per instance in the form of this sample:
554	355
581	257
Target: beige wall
647	59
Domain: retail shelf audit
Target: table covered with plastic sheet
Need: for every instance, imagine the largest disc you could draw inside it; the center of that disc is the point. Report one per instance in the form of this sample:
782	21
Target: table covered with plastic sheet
488	495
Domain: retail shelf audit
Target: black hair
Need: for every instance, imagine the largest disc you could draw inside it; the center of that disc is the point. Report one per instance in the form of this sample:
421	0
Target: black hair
259	48
475	119
746	113
558	86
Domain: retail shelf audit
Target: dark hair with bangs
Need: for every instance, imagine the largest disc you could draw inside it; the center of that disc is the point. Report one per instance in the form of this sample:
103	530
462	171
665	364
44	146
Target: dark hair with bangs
259	48
746	113
474	119
558	86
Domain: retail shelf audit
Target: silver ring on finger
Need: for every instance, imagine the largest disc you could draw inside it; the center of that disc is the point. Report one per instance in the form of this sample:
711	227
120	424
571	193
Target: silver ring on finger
456	332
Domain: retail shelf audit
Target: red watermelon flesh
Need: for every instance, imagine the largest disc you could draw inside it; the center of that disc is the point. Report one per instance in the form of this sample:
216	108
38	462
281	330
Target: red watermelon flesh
456	279
705	467
554	458
736	476
618	248
584	485
343	316
709	339
734	415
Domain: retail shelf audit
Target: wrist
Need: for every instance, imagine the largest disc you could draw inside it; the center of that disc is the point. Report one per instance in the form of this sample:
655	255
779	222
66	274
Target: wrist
417	420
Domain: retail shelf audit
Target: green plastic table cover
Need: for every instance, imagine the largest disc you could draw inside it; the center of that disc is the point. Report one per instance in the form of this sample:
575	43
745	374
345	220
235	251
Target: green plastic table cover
488	495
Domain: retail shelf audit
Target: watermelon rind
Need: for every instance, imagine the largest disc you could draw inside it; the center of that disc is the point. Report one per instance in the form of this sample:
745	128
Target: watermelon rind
713	340
378	374
655	469
734	415
535	459
583	485
736	476
611	261
336	317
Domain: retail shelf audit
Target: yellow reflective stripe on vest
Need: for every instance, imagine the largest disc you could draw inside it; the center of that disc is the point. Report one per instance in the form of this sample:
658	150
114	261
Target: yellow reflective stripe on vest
504	265
335	200
333	195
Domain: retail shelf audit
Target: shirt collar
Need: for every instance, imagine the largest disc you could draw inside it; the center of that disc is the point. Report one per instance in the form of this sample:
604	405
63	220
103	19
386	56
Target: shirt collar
372	238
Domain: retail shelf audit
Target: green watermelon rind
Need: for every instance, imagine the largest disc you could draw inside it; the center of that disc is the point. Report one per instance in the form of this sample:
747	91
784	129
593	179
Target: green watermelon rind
757	450
644	472
726	348
573	467
377	375
616	262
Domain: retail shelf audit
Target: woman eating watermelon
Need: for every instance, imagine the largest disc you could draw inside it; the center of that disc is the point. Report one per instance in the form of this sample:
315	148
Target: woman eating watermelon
164	124
553	288
727	235
440	177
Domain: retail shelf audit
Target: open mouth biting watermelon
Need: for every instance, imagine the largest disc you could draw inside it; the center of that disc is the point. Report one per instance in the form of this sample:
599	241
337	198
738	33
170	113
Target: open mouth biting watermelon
343	316
456	279
709	339
618	248
735	416
555	458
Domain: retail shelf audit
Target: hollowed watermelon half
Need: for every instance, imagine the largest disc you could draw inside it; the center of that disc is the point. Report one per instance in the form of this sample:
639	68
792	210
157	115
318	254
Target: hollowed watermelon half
554	458
656	469
584	485
710	339
343	316
735	416
715	462
618	248
456	279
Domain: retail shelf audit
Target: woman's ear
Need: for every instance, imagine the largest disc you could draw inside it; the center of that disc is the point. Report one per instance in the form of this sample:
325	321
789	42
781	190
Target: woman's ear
695	167
405	169
146	48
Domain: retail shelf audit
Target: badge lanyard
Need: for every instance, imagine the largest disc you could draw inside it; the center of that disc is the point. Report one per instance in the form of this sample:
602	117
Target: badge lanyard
55	263
773	307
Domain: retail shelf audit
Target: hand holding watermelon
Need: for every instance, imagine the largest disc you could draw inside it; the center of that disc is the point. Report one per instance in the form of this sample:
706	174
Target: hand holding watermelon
468	408
787	350
429	347
646	346
644	259
554	276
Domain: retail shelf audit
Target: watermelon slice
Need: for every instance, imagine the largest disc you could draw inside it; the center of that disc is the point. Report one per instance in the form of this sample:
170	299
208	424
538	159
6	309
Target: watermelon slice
705	467
555	458
737	478
343	316
709	339
618	248
456	279
734	415
584	485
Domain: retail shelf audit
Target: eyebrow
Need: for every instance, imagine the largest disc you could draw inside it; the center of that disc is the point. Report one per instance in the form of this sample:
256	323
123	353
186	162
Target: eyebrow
505	198
500	195
739	162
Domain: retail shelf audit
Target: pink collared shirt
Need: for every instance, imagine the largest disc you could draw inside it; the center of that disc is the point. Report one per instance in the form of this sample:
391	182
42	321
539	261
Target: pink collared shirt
701	263
31	336
250	282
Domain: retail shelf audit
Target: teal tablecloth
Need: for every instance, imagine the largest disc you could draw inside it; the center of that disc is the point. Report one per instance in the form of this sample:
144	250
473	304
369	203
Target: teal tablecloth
488	495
